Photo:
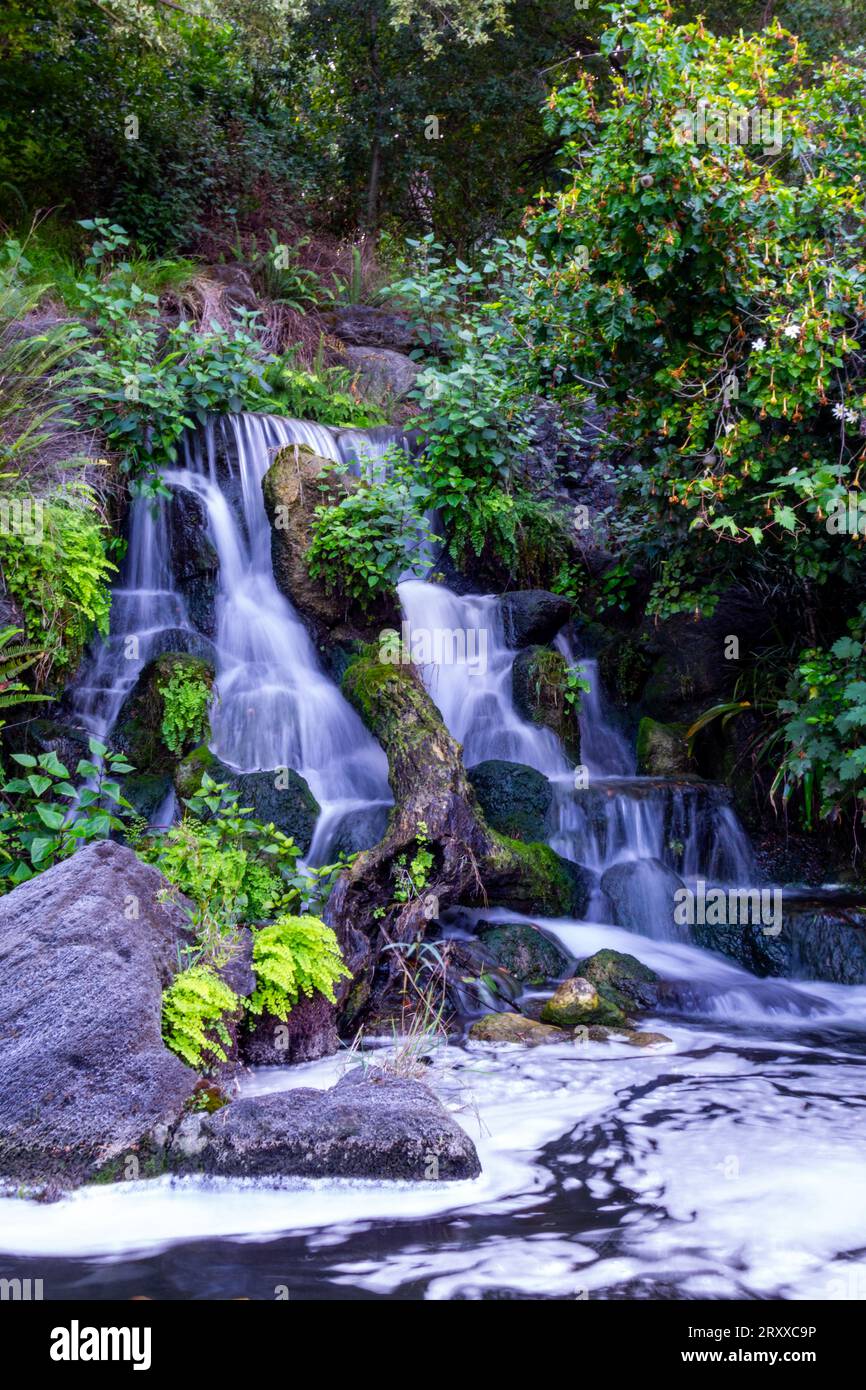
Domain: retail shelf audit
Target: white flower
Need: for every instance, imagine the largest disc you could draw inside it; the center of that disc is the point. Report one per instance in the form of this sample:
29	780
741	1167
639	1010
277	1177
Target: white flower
792	330
759	344
844	412
729	427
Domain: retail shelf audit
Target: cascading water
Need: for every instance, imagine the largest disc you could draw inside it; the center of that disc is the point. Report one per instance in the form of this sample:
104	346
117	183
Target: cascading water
275	707
723	1164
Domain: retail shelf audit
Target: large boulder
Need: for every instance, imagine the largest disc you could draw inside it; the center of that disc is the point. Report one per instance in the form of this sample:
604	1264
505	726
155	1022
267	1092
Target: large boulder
621	978
662	750
533	617
524	951
280	797
370	1125
85	1080
363	326
641	894
539	681
515	799
818	940
384	376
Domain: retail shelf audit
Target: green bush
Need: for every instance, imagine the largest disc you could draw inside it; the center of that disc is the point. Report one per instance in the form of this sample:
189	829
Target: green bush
195	1010
295	955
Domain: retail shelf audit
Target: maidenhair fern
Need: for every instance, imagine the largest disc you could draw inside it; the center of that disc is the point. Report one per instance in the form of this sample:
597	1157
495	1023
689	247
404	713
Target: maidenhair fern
295	954
194	1011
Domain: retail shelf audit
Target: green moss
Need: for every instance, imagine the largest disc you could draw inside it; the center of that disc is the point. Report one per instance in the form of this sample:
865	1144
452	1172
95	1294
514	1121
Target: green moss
550	884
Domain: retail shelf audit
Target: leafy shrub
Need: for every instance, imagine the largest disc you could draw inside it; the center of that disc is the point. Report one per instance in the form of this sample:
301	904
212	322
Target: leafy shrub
362	544
326	395
60	579
825	729
44	818
195	1008
294	955
186	697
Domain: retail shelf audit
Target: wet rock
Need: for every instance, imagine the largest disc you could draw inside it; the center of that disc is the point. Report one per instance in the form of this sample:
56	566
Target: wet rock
539	684
85	1080
383	375
662	750
641	893
280	797
515	799
577	1001
524	951
194	560
817	941
138	732
533	617
624	665
638	1038
369	1125
514	1028
623	978
146	792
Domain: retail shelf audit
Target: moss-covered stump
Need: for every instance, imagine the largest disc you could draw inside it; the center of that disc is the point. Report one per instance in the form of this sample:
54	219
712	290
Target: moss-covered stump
298	482
539	683
141	732
524	951
662	750
438	849
515	799
280	797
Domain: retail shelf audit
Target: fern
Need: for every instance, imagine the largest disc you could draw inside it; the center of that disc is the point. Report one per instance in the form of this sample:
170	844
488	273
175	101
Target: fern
194	1011
14	660
294	954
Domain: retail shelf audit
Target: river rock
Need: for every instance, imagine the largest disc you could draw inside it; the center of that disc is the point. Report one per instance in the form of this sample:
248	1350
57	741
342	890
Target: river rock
624	979
138	732
524	951
370	1125
194	560
85	1080
515	799
308	1033
817	941
533	617
641	893
514	1028
577	1001
539	684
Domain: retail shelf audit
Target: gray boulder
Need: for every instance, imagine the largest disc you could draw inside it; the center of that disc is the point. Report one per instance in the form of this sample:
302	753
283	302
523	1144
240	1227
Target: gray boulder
533	617
363	326
367	1126
85	1080
384	375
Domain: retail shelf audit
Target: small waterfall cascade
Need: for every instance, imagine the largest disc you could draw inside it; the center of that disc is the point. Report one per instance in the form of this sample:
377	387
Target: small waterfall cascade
603	815
275	707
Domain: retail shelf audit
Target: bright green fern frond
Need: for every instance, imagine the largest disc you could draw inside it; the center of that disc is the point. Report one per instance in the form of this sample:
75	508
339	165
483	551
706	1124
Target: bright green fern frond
295	955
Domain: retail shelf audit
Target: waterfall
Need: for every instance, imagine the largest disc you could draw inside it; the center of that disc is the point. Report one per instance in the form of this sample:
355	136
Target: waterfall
605	818
274	706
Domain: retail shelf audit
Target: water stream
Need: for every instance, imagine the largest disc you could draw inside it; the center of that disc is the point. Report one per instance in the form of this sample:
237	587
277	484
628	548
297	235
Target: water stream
725	1163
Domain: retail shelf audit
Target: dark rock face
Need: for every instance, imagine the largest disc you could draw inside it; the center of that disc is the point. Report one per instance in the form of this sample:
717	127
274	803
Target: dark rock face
85	1080
280	797
817	941
641	892
195	563
515	798
367	1126
309	1032
363	326
524	951
533	617
539	683
662	750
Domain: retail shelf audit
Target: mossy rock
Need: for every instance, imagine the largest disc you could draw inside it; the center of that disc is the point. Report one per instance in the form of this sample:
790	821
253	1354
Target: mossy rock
281	796
514	1028
524	951
623	979
577	1001
146	791
138	732
624	666
662	750
515	799
539	679
549	884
